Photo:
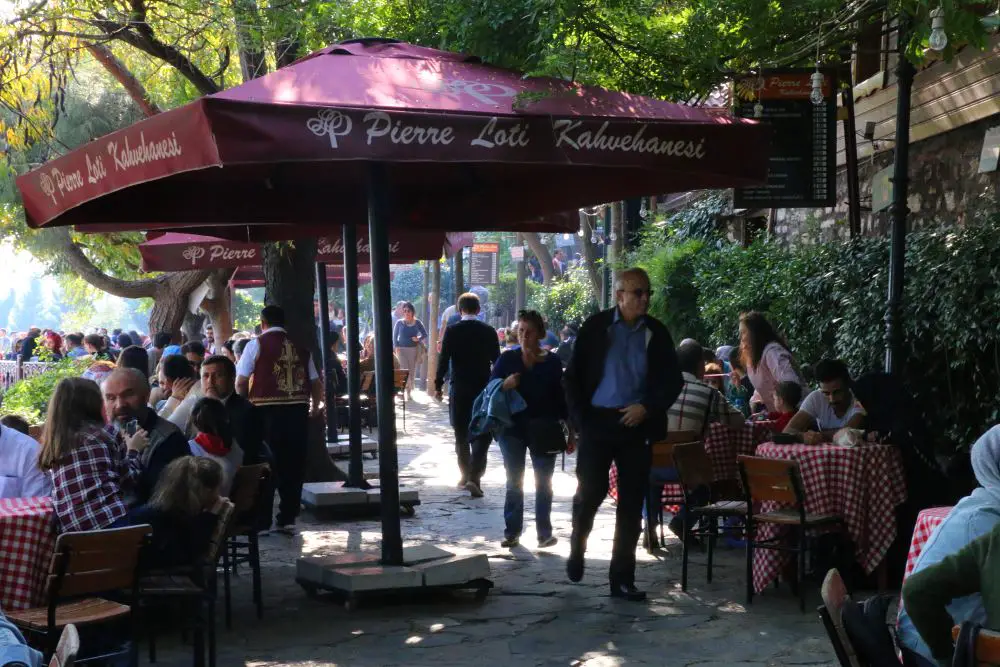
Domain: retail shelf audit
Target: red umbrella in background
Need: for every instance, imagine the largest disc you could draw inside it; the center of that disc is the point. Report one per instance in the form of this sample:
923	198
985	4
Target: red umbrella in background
449	143
247	277
175	251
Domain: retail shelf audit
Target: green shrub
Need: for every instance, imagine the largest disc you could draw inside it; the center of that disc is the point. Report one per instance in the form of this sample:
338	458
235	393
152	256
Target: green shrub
671	268
570	300
29	398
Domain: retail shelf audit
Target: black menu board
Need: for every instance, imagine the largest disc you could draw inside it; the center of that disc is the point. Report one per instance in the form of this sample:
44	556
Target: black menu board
484	265
802	169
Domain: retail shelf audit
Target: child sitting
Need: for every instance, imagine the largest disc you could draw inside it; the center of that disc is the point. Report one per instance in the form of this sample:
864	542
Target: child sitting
215	439
787	397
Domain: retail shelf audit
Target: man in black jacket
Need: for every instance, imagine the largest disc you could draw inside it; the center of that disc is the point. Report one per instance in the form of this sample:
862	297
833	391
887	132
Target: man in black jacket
218	380
471	347
621	379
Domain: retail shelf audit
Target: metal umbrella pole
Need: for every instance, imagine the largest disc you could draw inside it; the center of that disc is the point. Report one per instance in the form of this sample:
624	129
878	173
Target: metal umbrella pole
355	470
329	387
378	235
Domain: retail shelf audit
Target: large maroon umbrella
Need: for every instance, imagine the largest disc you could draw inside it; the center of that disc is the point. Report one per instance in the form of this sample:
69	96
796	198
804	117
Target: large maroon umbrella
466	146
253	276
400	136
175	251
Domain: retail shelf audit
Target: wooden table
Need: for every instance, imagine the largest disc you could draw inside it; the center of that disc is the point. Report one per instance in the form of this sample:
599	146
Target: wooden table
863	484
27	537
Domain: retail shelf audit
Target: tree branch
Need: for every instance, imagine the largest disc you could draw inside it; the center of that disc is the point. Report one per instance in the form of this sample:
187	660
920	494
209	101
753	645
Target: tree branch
121	73
542	253
81	264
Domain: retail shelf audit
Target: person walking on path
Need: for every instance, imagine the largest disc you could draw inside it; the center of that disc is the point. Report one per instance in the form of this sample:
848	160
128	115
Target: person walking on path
621	379
470	347
279	376
408	336
536	374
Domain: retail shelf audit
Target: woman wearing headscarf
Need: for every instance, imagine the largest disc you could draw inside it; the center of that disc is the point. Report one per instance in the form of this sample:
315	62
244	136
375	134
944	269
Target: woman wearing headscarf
767	359
974	516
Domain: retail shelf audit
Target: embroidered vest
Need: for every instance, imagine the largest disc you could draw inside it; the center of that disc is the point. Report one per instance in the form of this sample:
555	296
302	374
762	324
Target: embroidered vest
280	375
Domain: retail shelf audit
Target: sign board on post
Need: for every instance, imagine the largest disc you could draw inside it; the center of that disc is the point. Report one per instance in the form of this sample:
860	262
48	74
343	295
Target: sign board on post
882	189
802	168
517	253
484	264
991	151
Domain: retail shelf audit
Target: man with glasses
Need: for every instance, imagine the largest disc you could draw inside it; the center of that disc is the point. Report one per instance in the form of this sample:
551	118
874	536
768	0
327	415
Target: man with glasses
622	377
829	408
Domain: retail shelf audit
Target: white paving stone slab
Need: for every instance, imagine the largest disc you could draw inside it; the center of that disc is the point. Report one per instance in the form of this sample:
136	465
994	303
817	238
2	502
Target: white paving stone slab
332	494
314	568
422	553
405	495
372	578
454	570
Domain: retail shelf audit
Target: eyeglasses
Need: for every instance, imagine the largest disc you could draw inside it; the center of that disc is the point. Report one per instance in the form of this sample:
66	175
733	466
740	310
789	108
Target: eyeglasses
638	292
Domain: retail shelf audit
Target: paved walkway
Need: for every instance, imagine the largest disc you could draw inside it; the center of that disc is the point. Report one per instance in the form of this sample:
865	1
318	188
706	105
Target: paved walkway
534	616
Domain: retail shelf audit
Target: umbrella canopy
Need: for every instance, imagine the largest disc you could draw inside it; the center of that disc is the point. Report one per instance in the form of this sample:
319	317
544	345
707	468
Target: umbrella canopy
174	251
247	277
466	146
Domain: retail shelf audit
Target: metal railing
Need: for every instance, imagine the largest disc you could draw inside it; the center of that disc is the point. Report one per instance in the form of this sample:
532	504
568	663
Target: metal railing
15	371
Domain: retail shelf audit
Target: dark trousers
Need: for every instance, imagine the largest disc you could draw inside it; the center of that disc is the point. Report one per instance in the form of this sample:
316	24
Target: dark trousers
471	453
286	431
604	439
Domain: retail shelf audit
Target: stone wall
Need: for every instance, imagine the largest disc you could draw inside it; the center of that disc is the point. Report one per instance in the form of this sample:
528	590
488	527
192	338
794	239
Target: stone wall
944	189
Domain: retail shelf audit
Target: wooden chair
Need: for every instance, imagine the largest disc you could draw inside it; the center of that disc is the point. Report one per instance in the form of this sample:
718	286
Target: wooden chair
67	648
242	543
835	596
779	480
986	649
662	459
399	379
192	585
695	471
84	566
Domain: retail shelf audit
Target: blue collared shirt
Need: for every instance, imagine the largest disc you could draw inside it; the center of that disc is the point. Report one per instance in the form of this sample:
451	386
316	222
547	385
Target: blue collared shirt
624	379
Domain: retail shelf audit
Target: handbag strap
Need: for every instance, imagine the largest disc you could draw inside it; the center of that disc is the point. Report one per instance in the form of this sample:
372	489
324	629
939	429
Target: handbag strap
708	412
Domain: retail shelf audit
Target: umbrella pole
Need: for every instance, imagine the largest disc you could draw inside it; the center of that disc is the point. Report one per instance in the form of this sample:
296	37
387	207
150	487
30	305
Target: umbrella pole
355	470
378	235
329	392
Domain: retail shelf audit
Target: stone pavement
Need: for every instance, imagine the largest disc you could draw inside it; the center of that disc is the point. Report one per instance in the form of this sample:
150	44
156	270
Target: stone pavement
533	616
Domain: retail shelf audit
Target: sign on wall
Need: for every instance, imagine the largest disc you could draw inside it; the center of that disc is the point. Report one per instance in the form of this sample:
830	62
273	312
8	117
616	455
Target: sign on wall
882	189
484	264
990	154
802	168
517	253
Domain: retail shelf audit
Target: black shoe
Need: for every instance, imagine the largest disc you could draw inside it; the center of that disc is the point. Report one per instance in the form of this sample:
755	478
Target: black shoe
574	566
627	592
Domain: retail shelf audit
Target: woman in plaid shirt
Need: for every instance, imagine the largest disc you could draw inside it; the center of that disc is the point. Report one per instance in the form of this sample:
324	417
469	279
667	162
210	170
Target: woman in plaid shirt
87	467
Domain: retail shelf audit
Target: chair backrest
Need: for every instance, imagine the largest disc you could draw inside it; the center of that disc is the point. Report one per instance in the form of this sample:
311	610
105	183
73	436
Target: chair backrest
987	648
677	437
223	511
246	487
95	561
693	465
834	594
367	378
399	378
67	648
662	452
771	479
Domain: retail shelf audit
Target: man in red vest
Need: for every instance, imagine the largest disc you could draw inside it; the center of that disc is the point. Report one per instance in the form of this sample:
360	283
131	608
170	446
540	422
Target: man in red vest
279	377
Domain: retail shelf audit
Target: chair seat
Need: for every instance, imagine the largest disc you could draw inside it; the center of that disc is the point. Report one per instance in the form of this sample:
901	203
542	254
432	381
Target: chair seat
792	517
80	612
168	585
723	507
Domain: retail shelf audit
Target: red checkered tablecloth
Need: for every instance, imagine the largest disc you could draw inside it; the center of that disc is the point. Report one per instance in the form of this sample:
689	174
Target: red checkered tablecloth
722	444
27	538
927	521
862	484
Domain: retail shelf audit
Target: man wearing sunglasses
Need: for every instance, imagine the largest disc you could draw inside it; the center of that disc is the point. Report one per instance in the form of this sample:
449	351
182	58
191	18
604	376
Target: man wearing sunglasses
622	377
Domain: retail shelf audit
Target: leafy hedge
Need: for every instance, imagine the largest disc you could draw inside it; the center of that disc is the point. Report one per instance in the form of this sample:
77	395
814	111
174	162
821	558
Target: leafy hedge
29	398
565	301
829	300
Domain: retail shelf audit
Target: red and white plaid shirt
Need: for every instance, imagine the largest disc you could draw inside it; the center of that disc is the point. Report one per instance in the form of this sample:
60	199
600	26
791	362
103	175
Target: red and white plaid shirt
87	482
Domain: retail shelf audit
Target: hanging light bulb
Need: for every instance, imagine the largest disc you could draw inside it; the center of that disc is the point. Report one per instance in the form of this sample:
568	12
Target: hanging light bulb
758	110
939	38
612	235
816	96
643	211
580	233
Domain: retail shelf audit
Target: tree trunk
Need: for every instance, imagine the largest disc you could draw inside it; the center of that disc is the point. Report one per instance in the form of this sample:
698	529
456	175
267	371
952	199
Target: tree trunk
459	273
290	282
253	59
618	245
218	304
590	257
193	325
124	76
170	302
542	253
521	287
